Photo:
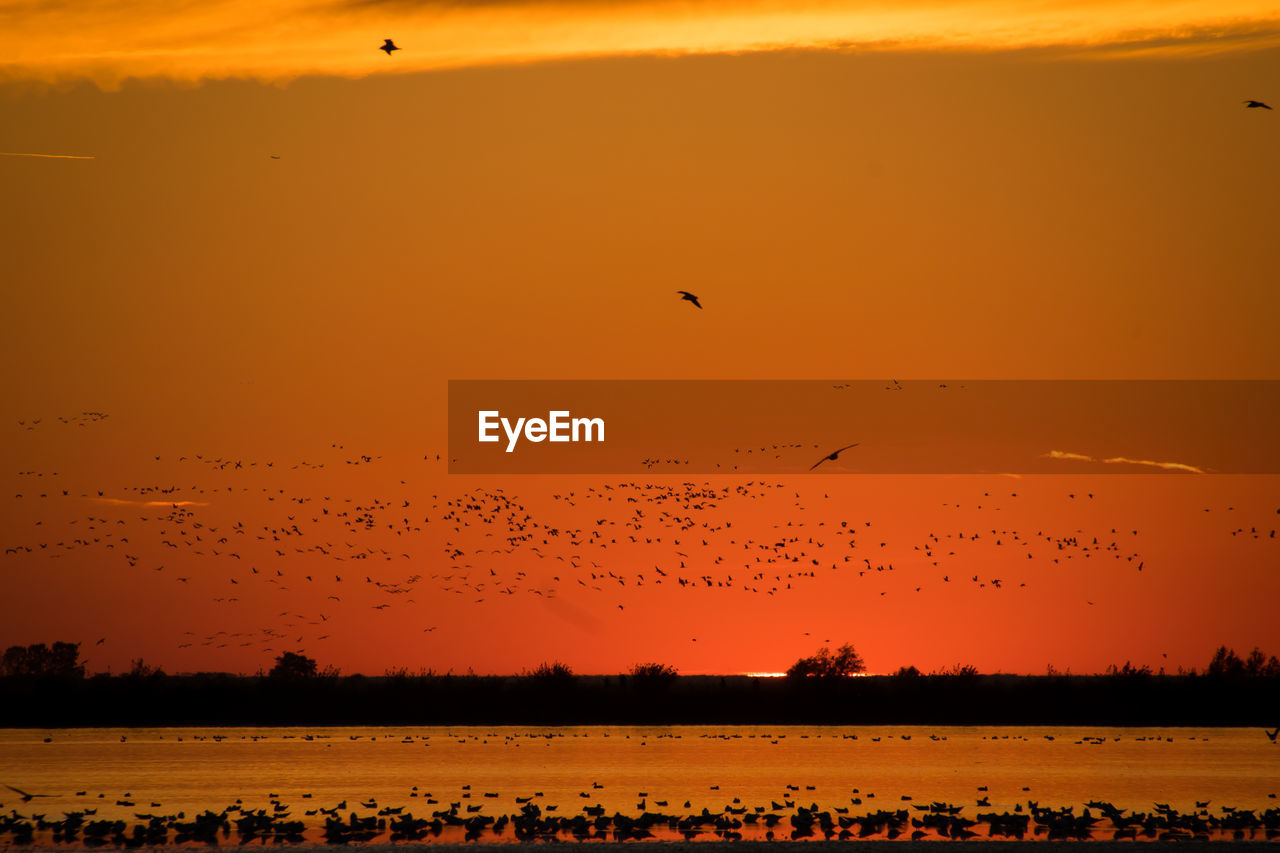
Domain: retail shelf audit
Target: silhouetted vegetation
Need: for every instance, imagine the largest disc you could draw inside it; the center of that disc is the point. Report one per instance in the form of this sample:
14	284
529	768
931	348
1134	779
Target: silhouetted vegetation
1227	664
824	664
62	660
44	686
1129	671
959	670
554	671
618	699
651	675
141	669
294	665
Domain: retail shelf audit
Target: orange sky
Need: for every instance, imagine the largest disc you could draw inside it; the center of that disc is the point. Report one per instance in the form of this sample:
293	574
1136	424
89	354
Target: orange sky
286	39
954	190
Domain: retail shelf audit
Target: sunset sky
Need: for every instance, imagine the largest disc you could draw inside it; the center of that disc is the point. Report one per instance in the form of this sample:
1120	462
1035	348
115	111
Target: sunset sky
266	242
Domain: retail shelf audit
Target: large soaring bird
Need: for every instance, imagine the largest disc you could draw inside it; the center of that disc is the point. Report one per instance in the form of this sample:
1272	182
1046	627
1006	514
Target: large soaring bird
831	457
26	798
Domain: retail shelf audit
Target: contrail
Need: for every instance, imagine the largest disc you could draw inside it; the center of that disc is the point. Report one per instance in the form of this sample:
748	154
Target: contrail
49	156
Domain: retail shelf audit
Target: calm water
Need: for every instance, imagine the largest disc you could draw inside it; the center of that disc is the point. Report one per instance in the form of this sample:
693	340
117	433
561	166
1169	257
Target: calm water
164	771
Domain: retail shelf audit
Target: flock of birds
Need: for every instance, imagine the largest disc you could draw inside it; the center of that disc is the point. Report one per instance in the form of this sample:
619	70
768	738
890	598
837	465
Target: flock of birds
278	824
495	545
332	556
457	816
320	549
233	541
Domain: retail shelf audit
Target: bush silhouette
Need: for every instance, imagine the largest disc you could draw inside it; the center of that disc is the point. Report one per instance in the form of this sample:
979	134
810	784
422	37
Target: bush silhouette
139	668
844	663
959	670
1129	670
649	675
553	671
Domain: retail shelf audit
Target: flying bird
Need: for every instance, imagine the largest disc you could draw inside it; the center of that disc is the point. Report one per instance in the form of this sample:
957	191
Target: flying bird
26	798
1270	734
689	297
832	456
388	45
1253	105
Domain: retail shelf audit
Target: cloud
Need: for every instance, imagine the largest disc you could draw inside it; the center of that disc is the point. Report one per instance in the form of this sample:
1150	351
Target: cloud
1171	466
109	41
125	502
1122	460
1062	454
48	156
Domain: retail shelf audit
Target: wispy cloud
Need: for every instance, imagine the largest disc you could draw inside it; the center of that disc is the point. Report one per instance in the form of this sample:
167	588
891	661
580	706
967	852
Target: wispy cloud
48	156
126	502
1170	466
1062	454
111	40
1122	460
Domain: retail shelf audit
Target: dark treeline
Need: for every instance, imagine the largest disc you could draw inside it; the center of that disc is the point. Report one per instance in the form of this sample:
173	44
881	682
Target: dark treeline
43	686
159	699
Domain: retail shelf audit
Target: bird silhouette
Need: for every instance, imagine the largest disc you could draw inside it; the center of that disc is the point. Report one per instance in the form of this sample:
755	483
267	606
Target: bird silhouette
1254	105
26	798
387	46
1273	734
689	297
831	457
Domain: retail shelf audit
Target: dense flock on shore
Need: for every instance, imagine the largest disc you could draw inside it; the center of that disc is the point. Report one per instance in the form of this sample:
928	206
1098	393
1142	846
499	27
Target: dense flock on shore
783	819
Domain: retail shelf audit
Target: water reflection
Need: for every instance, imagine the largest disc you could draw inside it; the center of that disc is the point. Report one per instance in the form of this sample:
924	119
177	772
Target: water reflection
151	786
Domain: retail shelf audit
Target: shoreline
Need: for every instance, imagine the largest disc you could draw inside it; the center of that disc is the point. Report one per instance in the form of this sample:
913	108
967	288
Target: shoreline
541	725
1153	701
817	846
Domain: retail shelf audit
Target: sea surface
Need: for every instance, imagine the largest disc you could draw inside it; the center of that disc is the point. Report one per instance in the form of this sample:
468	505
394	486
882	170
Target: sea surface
128	773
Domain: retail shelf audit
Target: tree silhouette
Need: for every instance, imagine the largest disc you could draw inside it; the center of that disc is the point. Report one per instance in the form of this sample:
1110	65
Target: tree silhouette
844	663
41	661
293	665
1226	663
